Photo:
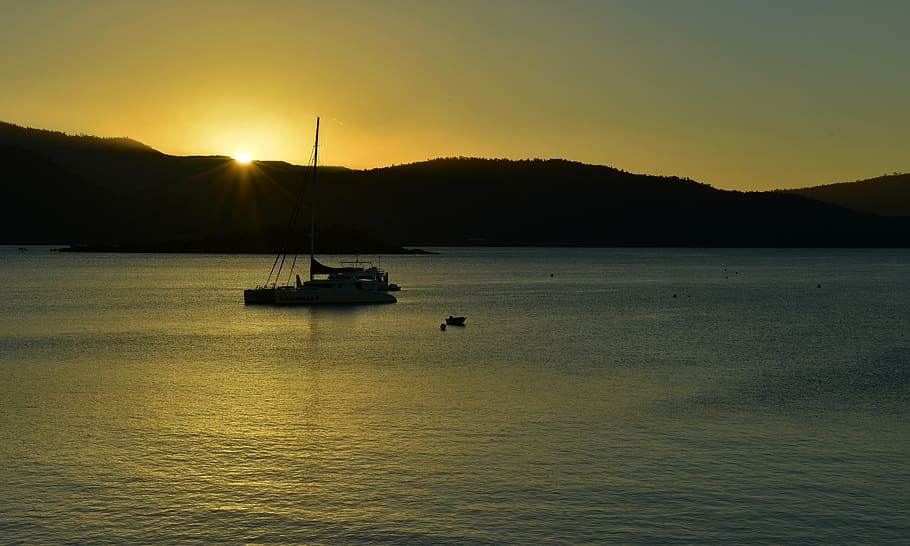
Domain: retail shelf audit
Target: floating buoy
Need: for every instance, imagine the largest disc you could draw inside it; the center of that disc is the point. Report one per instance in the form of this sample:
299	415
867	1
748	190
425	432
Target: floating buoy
442	327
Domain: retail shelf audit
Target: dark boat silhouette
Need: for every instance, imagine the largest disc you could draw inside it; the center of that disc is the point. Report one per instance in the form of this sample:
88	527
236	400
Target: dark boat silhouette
359	283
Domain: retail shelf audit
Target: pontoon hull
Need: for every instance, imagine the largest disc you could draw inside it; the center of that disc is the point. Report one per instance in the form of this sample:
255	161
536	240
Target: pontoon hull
289	295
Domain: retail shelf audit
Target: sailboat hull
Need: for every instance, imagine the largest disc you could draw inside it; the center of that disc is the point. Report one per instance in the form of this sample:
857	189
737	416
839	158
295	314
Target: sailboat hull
259	296
308	295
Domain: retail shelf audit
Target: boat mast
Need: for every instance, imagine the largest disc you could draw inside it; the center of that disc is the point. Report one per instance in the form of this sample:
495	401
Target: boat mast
313	202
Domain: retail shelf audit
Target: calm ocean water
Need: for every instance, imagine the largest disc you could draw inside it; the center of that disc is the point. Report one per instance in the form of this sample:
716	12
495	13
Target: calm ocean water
594	396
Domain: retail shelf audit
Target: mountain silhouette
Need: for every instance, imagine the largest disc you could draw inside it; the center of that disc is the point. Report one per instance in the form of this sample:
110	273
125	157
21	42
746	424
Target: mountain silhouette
887	195
120	194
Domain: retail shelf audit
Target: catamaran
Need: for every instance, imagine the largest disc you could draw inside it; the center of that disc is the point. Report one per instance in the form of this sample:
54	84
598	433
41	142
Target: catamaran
356	283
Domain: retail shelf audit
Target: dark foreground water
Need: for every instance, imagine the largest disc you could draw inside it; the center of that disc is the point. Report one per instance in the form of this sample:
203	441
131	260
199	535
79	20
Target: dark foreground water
595	396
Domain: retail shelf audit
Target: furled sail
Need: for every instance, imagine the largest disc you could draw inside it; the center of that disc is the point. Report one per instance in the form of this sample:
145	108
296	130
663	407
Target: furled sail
318	268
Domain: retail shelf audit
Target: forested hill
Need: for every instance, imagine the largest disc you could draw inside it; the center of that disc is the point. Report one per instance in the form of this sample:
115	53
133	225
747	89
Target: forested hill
556	202
887	195
57	188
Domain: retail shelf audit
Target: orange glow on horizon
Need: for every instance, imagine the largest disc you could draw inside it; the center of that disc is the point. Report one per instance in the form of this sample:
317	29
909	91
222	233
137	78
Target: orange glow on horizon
626	84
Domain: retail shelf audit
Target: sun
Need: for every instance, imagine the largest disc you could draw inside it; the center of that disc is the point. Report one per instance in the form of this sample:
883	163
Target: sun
242	157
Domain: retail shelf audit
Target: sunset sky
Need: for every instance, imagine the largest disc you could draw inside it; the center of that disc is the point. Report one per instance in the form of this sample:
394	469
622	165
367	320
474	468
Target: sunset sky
740	94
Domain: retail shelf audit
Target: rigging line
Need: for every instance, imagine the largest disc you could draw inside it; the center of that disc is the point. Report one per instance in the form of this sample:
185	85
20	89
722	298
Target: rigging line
297	214
282	248
289	234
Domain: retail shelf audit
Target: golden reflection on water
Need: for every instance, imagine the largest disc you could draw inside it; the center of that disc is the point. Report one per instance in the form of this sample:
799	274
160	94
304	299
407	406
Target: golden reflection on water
175	414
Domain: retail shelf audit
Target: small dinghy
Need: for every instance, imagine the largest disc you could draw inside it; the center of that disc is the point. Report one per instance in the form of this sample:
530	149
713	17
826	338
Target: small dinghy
455	321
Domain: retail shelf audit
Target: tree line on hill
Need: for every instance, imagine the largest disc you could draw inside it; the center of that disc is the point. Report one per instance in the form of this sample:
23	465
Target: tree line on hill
120	194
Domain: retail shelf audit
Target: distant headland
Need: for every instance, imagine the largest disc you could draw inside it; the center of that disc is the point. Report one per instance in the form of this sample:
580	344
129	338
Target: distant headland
120	195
